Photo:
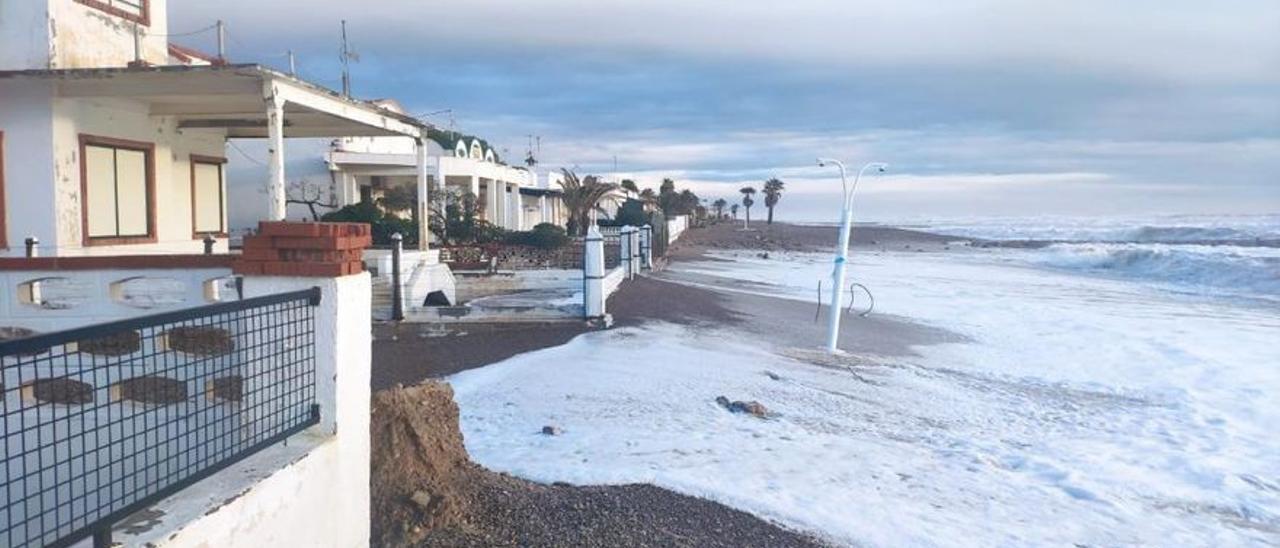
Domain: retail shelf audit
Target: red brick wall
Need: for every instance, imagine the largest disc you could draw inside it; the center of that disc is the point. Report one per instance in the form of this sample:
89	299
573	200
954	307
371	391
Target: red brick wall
304	249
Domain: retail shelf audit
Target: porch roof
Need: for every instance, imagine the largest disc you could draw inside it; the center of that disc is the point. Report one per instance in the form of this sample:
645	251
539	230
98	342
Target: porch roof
231	98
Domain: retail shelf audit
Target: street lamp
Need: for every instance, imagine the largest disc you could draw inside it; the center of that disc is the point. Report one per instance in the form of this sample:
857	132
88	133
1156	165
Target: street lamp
842	251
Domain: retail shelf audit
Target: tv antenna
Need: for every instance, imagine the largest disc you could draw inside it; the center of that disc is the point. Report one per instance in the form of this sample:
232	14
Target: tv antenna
348	55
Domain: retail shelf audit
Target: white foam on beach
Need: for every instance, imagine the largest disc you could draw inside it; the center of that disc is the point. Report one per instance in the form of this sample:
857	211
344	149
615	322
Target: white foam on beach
1085	410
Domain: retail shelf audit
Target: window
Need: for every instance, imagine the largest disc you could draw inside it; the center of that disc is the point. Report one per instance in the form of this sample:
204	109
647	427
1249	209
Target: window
117	191
138	11
207	202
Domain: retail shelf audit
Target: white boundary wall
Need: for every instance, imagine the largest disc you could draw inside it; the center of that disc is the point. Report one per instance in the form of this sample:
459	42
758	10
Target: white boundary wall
676	226
312	491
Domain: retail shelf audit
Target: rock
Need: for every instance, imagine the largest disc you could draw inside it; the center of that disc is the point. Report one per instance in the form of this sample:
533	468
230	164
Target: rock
750	407
550	430
423	500
773	375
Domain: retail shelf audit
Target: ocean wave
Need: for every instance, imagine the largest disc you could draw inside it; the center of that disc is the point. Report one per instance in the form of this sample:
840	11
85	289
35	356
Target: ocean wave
1199	268
1263	230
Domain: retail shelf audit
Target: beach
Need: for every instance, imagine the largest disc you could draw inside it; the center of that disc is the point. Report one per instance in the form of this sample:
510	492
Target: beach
989	395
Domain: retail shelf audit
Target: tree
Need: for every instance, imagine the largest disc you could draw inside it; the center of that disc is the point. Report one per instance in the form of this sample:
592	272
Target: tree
649	197
734	209
583	196
747	201
719	206
772	193
310	195
629	186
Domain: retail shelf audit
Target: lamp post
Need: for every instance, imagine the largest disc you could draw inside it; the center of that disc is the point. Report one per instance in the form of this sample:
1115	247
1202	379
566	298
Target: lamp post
842	250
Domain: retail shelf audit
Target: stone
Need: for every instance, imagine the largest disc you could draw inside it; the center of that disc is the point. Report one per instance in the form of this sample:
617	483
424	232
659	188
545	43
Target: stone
550	431
749	407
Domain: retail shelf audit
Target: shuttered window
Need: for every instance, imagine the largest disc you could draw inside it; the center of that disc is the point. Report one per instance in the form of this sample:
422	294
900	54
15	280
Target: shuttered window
207	203
117	191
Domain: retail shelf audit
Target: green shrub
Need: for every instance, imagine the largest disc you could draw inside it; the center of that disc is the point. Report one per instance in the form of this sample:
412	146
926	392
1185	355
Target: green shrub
382	225
543	236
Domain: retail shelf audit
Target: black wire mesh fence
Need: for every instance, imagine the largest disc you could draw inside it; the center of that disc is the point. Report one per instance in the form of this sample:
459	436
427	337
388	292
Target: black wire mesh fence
99	422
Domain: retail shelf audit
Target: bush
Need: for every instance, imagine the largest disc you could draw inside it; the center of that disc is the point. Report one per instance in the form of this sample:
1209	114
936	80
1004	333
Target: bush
543	236
631	213
382	225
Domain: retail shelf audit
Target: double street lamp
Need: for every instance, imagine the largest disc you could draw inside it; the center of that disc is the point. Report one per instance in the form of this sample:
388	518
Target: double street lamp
842	250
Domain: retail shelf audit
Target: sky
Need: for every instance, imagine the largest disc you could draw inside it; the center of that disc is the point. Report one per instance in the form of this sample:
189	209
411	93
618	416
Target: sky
981	107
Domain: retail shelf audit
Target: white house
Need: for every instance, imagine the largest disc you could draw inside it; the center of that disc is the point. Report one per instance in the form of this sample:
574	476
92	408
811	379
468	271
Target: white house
514	198
112	140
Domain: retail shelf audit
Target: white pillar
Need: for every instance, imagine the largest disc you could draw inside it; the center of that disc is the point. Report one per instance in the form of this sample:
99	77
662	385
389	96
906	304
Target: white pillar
624	246
593	299
275	162
646	247
475	186
518	203
424	212
636	260
544	216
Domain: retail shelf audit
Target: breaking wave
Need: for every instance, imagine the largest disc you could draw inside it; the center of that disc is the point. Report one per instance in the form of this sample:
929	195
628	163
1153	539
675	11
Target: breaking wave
1253	271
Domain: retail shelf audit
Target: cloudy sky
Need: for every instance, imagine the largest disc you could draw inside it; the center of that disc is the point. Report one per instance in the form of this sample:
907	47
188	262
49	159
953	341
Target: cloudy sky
983	107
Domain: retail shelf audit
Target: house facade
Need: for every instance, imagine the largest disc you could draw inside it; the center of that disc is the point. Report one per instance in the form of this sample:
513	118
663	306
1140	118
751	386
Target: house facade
513	198
112	140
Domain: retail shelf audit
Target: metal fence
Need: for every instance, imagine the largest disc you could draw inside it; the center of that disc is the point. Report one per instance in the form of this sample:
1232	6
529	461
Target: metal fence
99	422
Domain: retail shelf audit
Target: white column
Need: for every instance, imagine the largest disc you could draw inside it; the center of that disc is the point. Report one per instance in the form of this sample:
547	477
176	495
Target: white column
635	251
475	186
593	275
624	246
517	207
275	161
646	247
544	216
424	212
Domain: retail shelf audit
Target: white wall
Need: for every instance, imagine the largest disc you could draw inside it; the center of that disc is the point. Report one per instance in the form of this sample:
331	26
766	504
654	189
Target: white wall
60	34
24	35
315	490
125	119
26	118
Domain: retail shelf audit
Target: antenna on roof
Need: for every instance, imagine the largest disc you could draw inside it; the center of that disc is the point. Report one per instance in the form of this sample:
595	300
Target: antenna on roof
348	55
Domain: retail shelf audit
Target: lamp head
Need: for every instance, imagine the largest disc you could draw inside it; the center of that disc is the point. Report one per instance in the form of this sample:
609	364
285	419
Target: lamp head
822	162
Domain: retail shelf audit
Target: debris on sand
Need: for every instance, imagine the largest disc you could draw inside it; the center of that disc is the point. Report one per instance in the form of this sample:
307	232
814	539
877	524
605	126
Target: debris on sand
550	430
748	407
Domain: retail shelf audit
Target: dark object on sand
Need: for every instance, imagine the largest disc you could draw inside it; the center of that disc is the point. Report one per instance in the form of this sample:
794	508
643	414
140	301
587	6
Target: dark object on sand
549	430
749	407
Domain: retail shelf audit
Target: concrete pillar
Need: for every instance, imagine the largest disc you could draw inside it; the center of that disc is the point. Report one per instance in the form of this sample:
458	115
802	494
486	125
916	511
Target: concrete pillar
636	260
424	212
543	212
593	299
517	204
624	245
475	186
277	206
646	247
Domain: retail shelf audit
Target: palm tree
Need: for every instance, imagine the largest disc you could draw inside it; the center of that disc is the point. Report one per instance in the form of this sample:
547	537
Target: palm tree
582	196
630	186
772	193
747	201
649	197
719	206
734	210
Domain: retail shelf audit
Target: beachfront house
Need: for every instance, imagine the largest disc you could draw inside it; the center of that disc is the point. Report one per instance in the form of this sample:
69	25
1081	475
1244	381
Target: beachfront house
113	139
150	375
509	197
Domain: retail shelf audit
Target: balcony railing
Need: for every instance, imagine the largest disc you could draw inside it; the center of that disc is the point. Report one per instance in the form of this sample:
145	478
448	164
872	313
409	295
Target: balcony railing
102	421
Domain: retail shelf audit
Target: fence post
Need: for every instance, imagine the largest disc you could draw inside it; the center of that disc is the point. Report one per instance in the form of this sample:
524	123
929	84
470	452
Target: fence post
646	247
593	275
637	259
397	290
624	247
33	249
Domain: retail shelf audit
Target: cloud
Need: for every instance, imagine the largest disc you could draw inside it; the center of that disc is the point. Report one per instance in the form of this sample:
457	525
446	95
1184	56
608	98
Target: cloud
1173	101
